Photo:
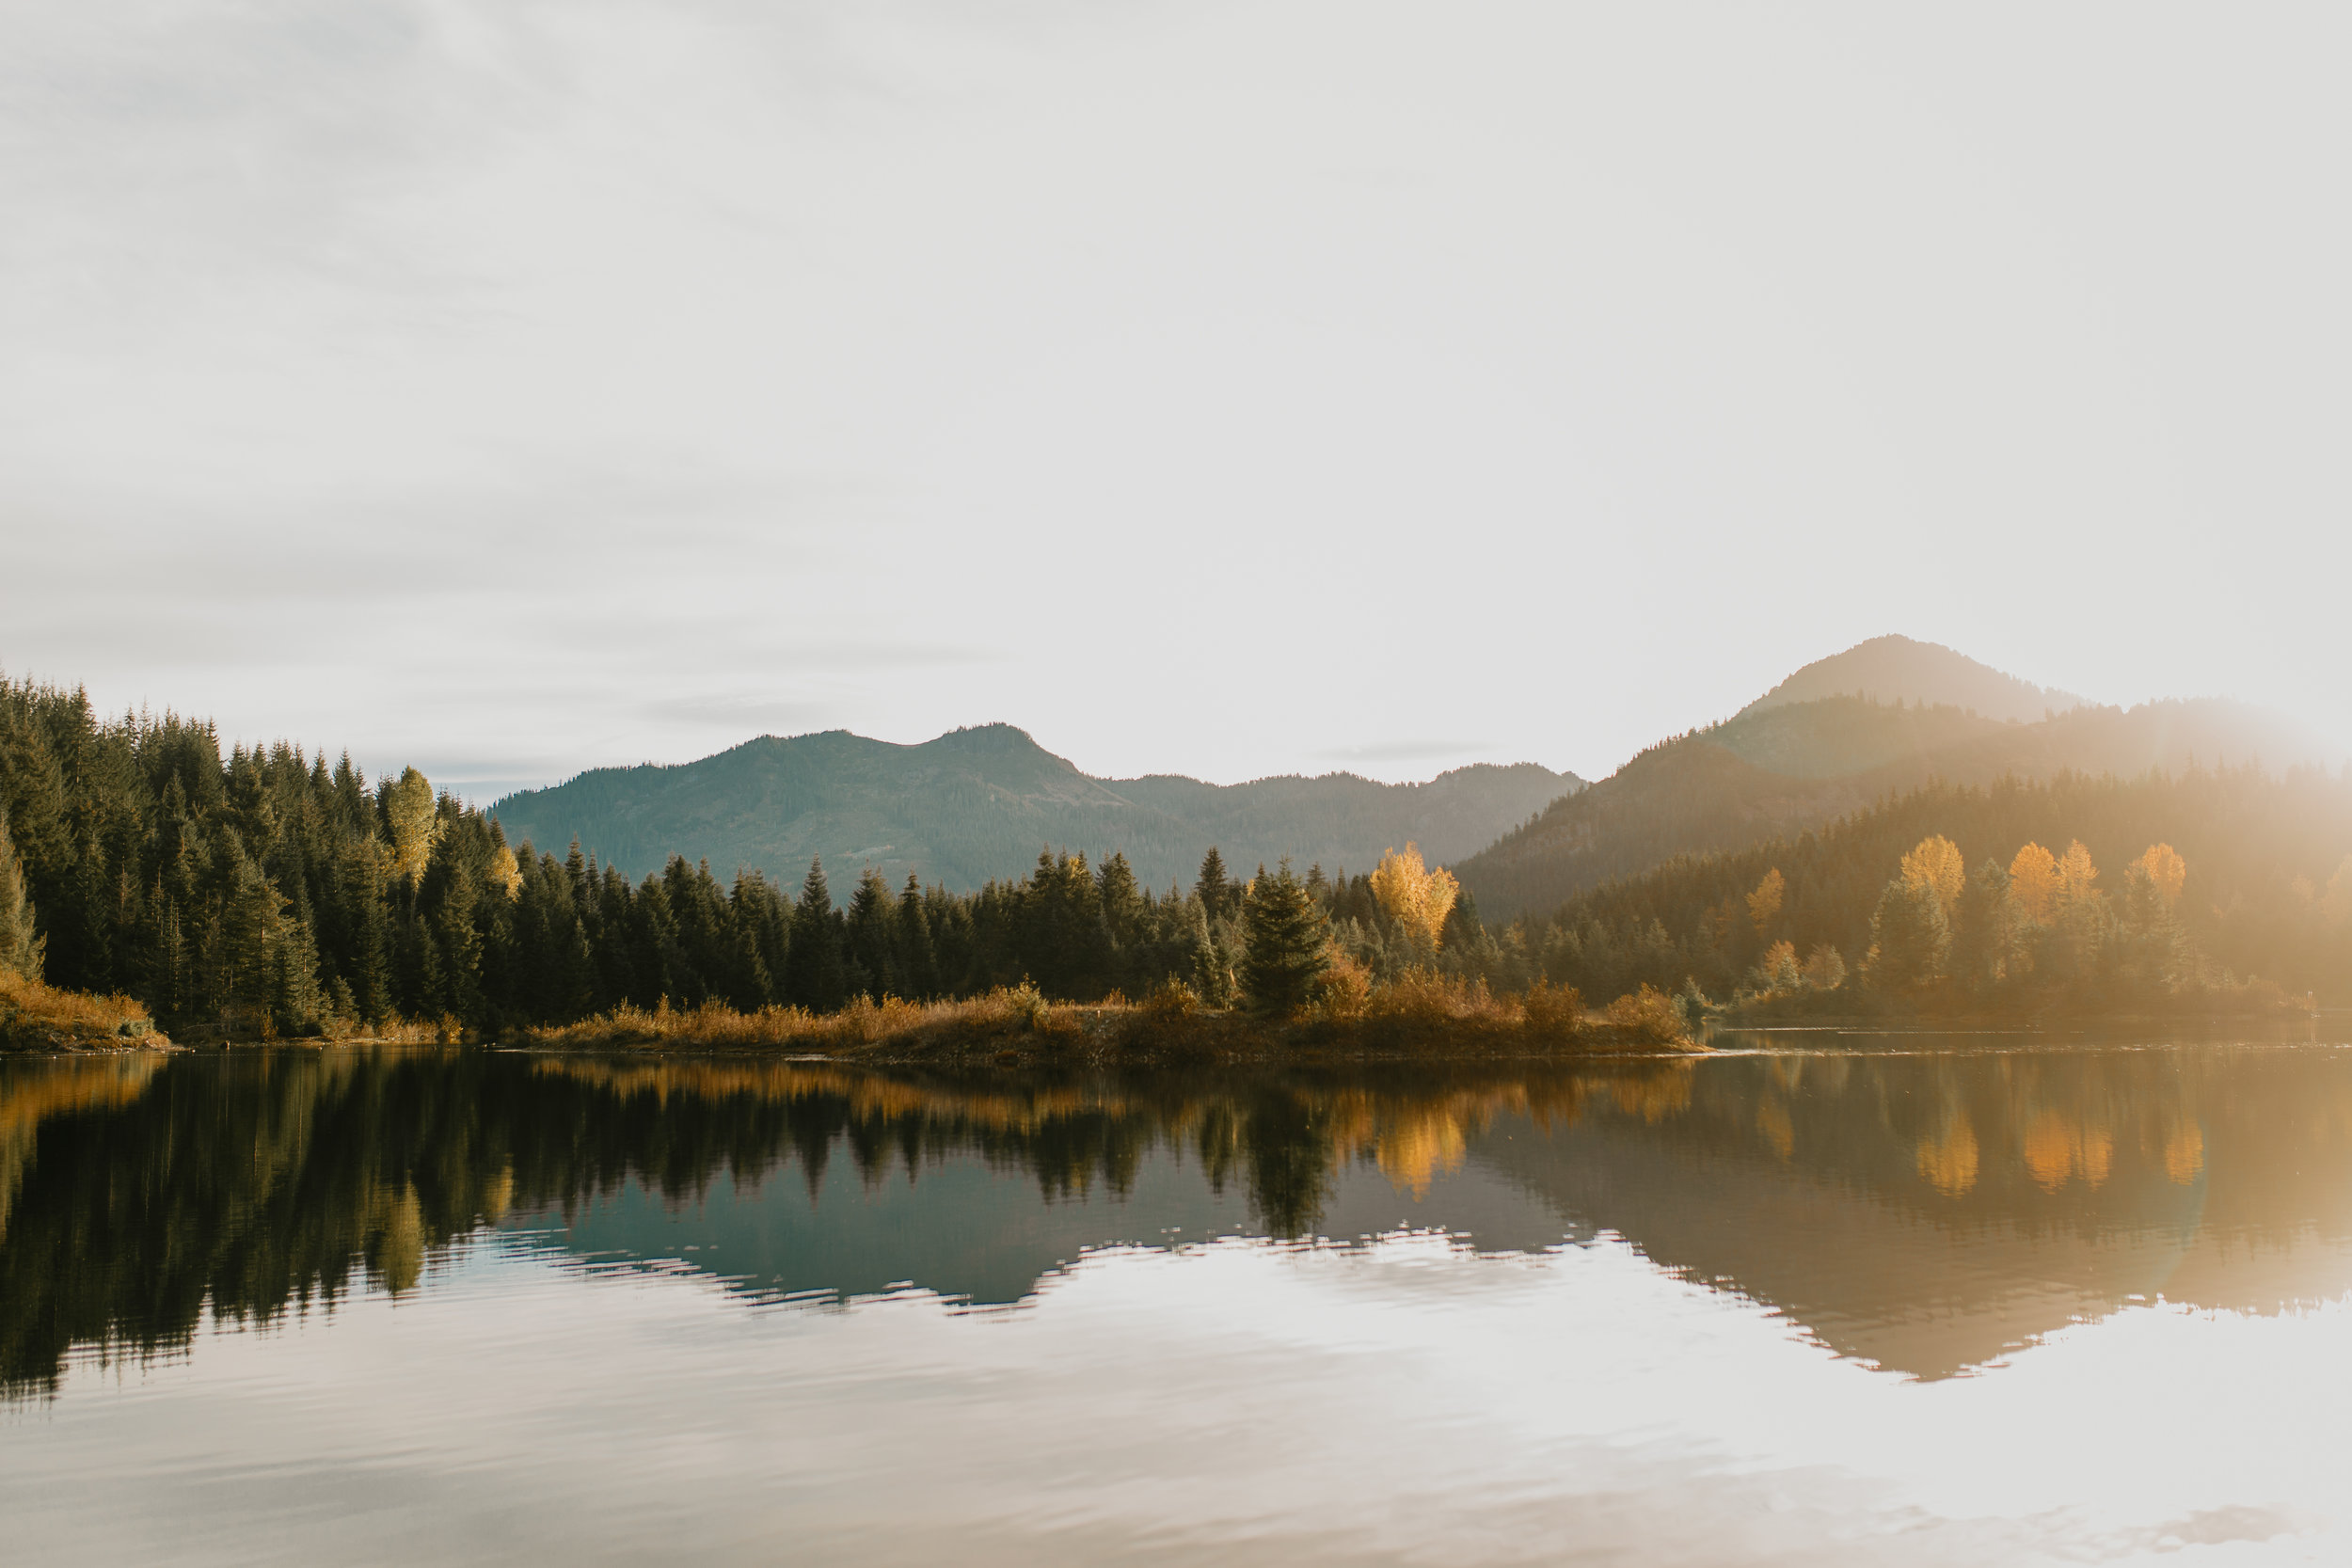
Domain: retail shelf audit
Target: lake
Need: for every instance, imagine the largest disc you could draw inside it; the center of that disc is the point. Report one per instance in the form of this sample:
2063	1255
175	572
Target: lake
1814	1298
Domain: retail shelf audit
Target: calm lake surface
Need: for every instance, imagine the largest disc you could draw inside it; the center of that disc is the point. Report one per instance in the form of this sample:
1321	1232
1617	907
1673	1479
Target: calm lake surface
1821	1299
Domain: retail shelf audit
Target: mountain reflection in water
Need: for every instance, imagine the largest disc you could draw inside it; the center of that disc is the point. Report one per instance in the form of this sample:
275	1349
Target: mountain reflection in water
1922	1212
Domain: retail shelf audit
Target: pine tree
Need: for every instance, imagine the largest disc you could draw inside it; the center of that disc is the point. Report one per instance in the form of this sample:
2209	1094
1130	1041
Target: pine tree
918	960
1985	948
1910	942
1214	886
1212	971
1764	903
1289	943
248	967
1122	904
20	940
813	977
871	932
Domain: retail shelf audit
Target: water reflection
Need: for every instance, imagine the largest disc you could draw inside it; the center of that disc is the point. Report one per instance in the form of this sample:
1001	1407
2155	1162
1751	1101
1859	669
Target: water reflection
1923	1211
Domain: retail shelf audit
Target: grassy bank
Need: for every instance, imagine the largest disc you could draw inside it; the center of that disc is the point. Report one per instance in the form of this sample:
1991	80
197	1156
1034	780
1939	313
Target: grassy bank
37	1016
1419	1018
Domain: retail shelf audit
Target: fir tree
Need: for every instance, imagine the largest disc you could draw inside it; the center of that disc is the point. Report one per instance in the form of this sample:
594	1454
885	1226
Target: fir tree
20	940
1984	949
1910	942
1214	887
1289	943
813	975
1122	903
871	928
918	960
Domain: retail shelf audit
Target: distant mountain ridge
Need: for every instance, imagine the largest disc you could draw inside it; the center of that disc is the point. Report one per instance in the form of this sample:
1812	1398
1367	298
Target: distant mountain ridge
1900	669
980	803
1788	762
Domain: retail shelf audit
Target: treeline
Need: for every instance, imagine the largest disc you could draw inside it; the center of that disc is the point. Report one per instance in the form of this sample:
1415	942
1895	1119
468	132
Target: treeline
1777	772
2020	893
269	893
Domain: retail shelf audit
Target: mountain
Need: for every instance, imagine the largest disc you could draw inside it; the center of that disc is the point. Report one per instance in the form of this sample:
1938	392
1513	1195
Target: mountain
980	803
1780	766
1897	668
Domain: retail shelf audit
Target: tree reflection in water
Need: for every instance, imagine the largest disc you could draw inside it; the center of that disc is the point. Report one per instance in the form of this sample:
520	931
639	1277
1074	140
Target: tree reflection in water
1866	1195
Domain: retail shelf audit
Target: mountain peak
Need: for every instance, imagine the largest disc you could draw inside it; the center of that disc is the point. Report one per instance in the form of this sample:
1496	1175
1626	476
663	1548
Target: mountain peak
1900	669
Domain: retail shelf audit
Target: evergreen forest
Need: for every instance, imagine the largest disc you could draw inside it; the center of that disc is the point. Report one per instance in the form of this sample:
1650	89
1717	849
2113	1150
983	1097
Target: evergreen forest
270	893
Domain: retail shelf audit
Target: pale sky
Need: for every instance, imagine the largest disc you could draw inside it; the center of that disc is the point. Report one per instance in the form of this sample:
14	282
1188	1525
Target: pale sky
1216	388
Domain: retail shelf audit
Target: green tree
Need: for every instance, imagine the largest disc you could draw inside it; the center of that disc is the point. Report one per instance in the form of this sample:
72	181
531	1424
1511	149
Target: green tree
1214	887
871	928
1212	969
1986	947
1910	942
2153	941
20	941
1289	942
1123	907
813	975
918	956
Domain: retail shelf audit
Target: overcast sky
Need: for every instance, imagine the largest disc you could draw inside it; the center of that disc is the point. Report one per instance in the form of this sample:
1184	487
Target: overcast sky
1220	389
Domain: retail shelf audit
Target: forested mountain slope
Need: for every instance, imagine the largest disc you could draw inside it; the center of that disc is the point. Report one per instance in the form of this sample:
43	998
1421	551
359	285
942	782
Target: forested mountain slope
2264	889
1780	769
1898	668
980	803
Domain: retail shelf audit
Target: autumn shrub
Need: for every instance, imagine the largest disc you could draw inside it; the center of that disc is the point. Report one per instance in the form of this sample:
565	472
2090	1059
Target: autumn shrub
1424	997
867	1022
32	1013
1413	996
1648	1016
1025	1004
1553	1012
1341	991
1169	1000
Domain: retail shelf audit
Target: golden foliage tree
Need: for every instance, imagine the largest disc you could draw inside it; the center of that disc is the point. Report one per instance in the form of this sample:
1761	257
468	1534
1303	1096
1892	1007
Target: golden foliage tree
1764	903
1777	971
1934	863
1417	896
2033	882
408	813
2075	875
2165	868
506	872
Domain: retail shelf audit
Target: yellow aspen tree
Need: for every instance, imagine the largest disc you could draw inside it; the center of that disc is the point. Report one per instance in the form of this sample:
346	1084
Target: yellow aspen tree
1414	895
2075	875
1396	883
1764	903
1934	863
2165	868
409	808
2033	880
506	872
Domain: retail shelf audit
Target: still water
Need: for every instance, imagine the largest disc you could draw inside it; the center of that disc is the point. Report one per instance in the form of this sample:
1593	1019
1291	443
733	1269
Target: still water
1892	1300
